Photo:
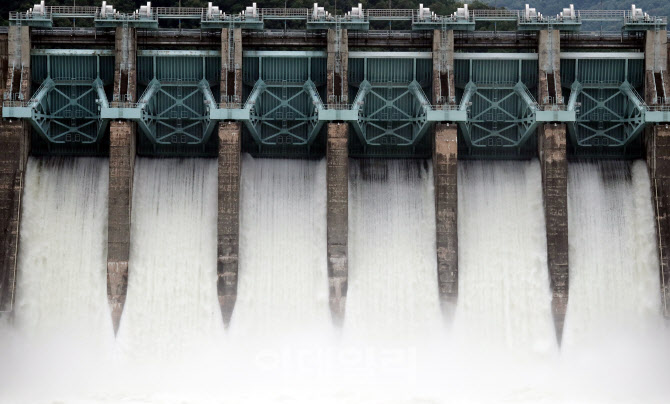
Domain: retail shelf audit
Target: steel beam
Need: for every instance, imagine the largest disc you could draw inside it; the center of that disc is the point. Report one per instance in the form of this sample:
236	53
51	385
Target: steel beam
102	104
210	103
38	119
249	105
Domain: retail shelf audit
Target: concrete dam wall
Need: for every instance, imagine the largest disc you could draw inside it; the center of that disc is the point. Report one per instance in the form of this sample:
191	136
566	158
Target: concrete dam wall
341	92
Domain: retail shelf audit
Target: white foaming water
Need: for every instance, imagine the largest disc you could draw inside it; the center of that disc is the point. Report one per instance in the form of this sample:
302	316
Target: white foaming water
172	305
283	294
62	278
393	292
61	317
283	273
504	295
614	278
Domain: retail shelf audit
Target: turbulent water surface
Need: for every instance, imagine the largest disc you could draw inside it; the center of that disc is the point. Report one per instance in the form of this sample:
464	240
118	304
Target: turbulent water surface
172	305
504	294
395	345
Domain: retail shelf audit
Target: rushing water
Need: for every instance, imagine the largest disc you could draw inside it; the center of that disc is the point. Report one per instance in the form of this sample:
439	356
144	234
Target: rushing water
614	280
504	294
61	317
393	291
172	304
61	285
395	347
283	275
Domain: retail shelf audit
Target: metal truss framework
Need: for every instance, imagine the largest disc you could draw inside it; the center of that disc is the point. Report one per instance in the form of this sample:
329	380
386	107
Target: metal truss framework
60	115
288	111
174	112
284	113
608	114
502	112
67	108
388	115
505	117
390	109
175	107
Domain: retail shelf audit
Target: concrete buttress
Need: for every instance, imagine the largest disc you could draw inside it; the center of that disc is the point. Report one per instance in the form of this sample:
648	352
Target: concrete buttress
337	174
229	171
552	151
445	177
657	142
337	156
553	161
122	150
228	222
14	150
445	173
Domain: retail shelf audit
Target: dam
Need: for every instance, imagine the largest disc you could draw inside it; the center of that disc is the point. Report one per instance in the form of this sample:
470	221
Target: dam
285	176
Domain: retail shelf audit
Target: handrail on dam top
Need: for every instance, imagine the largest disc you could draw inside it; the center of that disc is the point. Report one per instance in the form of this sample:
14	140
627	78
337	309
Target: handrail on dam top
211	17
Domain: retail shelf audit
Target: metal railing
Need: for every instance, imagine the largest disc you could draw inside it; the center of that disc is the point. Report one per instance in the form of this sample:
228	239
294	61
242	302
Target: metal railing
530	96
15	104
498	84
601	15
636	94
601	83
50	12
230	105
496	15
283	12
555	107
389	13
658	107
83	10
336	106
444	107
123	104
647	20
179	11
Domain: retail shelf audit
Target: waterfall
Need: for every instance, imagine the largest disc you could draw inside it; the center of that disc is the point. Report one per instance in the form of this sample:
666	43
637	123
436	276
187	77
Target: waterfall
280	346
172	306
614	281
62	327
393	292
504	294
283	274
62	278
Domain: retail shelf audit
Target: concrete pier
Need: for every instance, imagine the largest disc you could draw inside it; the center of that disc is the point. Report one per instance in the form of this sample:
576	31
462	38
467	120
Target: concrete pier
657	87
337	156
125	69
230	142
657	142
231	66
228	224
14	150
121	167
445	173
658	162
122	150
552	151
549	63
444	91
338	62
445	177
337	174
